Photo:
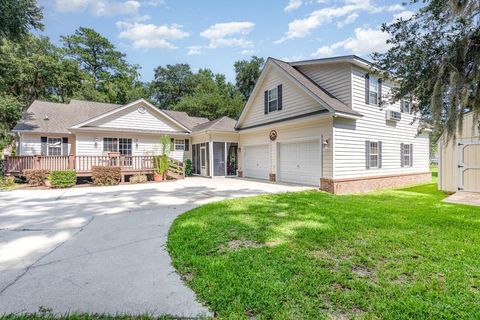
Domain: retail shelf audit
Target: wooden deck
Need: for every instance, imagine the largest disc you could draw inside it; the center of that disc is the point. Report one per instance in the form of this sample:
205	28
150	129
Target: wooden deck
129	165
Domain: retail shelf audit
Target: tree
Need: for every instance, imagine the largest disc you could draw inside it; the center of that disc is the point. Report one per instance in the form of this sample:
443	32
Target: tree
10	112
436	56
17	17
171	83
108	76
212	97
247	73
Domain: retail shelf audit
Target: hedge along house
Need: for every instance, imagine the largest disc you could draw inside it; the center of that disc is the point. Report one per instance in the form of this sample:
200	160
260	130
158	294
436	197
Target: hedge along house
459	159
92	131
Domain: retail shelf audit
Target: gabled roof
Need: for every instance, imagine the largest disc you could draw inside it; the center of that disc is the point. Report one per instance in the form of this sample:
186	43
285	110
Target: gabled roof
353	59
224	124
185	119
51	117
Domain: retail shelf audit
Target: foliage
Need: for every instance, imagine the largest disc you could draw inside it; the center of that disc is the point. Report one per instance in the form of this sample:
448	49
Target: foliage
247	74
10	112
138	178
17	17
63	178
436	55
188	168
108	76
36	177
212	97
106	176
171	83
7	182
397	254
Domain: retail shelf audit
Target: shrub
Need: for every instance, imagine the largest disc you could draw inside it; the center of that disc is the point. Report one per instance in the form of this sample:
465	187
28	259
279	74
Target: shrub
106	176
8	181
1	167
138	178
188	168
63	178
36	177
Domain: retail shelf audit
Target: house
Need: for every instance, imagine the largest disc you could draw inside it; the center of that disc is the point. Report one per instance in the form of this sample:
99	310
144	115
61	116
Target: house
459	158
323	122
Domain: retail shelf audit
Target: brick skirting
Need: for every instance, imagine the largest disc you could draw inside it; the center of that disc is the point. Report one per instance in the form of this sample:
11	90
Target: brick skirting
365	184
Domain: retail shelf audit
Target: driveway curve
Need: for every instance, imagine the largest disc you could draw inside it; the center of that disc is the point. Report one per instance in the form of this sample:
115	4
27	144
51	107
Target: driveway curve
103	250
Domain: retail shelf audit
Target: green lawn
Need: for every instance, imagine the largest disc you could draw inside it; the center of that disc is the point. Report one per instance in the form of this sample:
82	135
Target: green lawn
397	254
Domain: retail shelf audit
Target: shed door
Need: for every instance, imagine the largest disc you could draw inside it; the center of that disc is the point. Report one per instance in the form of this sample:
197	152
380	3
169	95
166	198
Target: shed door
469	166
299	162
256	162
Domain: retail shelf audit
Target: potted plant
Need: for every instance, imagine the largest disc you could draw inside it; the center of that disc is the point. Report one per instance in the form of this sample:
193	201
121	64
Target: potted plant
161	162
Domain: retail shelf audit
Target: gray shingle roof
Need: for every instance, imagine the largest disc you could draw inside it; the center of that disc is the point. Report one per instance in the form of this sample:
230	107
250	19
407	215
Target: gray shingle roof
224	124
60	116
185	119
321	93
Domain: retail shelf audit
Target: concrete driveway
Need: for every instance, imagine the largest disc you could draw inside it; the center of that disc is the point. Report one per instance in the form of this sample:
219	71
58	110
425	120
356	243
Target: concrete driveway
103	249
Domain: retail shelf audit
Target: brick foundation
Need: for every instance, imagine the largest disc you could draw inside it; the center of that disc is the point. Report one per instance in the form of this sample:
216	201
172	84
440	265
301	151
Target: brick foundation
240	173
365	184
272	177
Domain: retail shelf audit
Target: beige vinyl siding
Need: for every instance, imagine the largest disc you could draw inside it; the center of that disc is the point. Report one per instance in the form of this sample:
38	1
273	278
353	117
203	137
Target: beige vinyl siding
299	131
335	78
141	145
447	178
30	144
350	137
132	118
295	100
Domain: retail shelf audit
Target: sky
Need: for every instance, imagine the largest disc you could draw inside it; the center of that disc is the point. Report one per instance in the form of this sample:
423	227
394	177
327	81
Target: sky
214	34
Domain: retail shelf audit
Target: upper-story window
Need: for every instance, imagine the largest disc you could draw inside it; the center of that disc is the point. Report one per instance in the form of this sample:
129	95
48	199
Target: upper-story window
373	89
373	92
273	99
406	106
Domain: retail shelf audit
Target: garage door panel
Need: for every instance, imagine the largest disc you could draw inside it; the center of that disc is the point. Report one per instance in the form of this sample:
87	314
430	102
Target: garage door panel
257	162
299	162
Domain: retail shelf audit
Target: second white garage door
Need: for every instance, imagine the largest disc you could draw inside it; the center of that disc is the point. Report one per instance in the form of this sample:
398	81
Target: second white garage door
257	162
299	162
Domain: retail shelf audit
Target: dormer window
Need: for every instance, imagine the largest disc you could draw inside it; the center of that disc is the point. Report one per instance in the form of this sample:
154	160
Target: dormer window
406	106
273	99
373	90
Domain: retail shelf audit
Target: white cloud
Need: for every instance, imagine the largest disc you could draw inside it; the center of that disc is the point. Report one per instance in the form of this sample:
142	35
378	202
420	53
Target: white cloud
350	19
365	41
151	36
229	34
194	50
99	8
247	52
293	5
404	15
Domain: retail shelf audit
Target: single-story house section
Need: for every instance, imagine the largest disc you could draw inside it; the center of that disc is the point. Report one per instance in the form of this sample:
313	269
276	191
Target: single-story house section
324	122
459	159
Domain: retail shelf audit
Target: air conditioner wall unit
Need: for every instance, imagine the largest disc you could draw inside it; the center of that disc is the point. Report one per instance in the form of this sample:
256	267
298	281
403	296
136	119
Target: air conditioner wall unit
393	115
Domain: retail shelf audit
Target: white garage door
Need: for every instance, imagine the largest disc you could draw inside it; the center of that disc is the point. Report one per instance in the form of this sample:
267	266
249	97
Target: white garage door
257	162
299	162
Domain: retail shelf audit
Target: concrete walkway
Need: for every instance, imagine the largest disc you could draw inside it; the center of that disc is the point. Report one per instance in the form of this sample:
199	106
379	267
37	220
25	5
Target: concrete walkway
102	249
469	198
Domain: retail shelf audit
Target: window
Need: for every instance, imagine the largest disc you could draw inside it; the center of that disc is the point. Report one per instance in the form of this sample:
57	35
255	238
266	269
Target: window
406	155
272	100
374	155
54	146
179	144
373	90
110	144
406	106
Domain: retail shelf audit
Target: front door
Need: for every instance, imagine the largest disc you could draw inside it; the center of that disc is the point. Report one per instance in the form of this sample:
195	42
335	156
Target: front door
203	161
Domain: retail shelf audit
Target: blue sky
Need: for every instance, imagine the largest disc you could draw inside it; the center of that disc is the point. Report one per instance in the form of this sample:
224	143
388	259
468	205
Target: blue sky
214	34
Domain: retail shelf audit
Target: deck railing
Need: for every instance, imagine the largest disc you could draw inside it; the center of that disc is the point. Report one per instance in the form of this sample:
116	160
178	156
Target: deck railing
83	164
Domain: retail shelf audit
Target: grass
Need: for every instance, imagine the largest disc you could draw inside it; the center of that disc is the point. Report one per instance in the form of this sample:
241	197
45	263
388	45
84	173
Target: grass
397	254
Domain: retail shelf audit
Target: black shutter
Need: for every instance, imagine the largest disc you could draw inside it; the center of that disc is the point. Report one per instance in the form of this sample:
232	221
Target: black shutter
266	101
379	154
187	146
402	105
172	144
411	155
379	91
402	160
279	96
367	154
65	146
43	148
367	88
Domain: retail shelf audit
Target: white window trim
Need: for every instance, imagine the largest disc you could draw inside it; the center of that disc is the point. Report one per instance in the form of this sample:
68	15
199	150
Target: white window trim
377	153
373	83
272	100
406	146
50	143
409	106
179	144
